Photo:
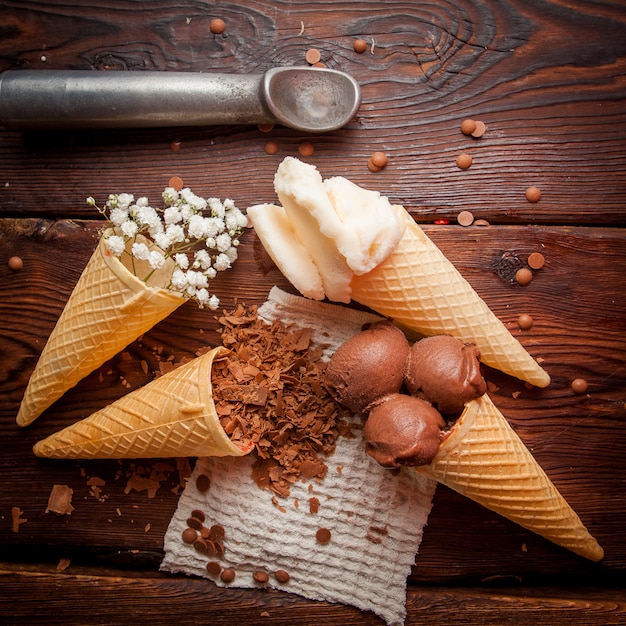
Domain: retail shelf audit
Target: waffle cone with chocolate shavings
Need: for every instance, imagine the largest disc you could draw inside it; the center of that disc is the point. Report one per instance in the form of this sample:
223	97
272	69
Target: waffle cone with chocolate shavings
172	416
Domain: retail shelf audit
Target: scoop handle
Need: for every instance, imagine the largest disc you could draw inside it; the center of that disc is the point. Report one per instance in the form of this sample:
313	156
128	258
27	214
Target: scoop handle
70	99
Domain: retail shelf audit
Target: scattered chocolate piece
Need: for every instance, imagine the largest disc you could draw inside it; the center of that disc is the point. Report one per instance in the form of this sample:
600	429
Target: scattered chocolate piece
15	263
195	523
228	575
282	576
63	564
176	182
523	276
271	147
480	129
464	161
60	500
536	260
260	577
17	519
217	26
465	218
468	126
198	515
189	535
306	149
525	321
359	45
579	385
323	535
533	194
213	568
203	483
313	56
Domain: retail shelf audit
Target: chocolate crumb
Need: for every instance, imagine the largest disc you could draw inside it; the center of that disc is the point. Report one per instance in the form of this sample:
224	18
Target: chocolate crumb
314	505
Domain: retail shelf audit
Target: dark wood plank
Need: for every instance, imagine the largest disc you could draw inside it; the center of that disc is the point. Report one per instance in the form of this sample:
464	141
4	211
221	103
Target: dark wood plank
161	600
554	108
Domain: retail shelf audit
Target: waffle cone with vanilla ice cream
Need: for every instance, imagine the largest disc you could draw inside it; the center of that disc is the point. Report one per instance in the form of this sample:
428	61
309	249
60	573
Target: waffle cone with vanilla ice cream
333	239
172	416
107	310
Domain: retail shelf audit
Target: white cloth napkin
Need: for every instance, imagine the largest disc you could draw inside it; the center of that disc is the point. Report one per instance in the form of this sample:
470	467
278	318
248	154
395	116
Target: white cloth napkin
375	516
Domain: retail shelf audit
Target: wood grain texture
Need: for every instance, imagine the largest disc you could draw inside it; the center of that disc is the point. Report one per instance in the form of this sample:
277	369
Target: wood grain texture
553	107
548	79
162	600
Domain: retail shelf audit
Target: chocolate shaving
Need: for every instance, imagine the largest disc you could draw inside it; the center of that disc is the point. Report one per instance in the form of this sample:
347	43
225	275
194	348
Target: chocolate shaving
268	391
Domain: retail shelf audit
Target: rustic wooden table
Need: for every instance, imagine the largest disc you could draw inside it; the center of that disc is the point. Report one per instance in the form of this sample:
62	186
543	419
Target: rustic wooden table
549	81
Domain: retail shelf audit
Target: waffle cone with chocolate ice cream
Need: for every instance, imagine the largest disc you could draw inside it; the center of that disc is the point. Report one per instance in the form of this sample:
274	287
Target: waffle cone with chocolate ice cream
402	430
483	458
107	310
368	366
445	371
172	416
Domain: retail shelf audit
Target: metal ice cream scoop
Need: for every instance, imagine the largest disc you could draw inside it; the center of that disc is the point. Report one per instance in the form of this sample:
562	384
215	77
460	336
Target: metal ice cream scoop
308	99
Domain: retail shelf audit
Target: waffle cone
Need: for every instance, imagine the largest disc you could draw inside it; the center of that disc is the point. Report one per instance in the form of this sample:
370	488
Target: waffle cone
107	310
421	290
172	416
484	459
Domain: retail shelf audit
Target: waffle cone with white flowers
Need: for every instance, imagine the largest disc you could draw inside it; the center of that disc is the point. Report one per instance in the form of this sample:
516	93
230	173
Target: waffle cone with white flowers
108	309
484	459
172	416
336	240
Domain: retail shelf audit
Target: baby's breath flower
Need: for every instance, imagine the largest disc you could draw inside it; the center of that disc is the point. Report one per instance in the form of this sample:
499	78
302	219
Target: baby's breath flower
222	242
156	259
172	215
179	280
118	216
198	236
129	228
140	251
115	245
182	260
202	259
222	262
197	226
161	240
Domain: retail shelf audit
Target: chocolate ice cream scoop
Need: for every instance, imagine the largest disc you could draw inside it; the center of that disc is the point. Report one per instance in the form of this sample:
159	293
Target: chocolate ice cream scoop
445	371
403	430
368	366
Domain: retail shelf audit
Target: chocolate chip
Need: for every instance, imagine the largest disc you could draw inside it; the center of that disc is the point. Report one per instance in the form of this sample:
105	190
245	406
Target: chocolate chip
194	522
228	575
260	577
282	576
189	535
323	535
198	514
203	483
213	568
